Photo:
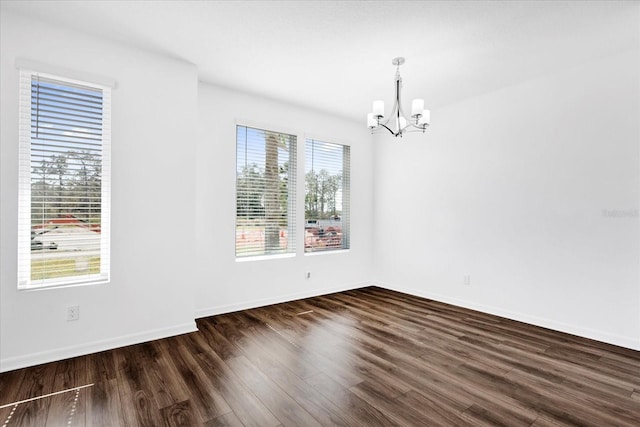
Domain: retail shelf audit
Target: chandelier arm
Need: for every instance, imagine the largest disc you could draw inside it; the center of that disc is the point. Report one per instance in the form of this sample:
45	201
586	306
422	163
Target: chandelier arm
414	128
398	88
398	101
391	115
383	125
399	98
396	105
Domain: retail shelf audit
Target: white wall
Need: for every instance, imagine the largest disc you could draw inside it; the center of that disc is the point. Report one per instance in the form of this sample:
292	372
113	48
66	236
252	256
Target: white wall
533	191
530	190
153	204
173	204
223	283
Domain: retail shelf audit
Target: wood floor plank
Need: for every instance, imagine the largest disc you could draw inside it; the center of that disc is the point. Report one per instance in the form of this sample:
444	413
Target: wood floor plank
101	367
401	411
309	362
162	377
31	414
70	373
544	421
435	412
204	397
283	406
10	383
179	414
248	408
325	358
332	343
103	405
138	399
37	381
284	376
216	341
66	409
226	420
352	407
400	366
479	416
6	414
368	356
619	411
404	367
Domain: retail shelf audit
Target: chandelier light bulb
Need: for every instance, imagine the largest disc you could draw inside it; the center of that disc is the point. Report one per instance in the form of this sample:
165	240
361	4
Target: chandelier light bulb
378	109
417	107
371	122
426	117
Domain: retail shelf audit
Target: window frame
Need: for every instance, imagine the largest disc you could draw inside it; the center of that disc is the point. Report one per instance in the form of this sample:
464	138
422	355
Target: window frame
346	197
292	193
25	281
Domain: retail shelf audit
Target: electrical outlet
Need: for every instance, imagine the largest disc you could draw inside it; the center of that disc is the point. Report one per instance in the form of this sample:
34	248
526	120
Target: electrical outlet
467	280
308	275
73	313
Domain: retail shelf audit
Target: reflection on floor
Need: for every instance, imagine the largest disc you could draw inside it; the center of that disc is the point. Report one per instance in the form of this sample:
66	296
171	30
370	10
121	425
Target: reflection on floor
61	408
365	357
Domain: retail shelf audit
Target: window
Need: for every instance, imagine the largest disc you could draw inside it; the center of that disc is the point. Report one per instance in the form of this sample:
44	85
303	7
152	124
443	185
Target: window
326	196
64	171
265	192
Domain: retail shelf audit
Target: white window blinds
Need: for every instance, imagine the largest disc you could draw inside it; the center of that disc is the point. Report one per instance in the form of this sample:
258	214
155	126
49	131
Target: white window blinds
64	172
265	192
327	196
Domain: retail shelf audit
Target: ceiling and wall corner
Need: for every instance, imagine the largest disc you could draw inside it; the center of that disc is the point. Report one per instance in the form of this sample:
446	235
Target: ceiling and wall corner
335	56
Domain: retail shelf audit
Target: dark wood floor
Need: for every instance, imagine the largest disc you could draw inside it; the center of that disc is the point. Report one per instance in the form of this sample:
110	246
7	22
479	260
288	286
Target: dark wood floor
358	358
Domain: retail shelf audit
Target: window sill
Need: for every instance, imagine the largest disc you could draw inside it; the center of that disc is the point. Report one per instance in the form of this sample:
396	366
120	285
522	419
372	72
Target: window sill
31	288
264	257
330	252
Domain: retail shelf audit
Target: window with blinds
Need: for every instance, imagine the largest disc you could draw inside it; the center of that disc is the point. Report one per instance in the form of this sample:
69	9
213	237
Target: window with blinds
265	192
64	175
326	196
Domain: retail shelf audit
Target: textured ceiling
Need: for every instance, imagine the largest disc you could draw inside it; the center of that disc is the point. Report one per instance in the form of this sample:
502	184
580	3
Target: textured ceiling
336	56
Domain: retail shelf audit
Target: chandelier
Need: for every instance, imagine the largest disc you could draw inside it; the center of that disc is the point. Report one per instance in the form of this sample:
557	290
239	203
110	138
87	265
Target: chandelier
397	122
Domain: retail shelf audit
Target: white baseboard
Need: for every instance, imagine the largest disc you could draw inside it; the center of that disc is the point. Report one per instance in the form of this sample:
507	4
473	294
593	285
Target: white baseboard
33	359
593	334
246	305
12	363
